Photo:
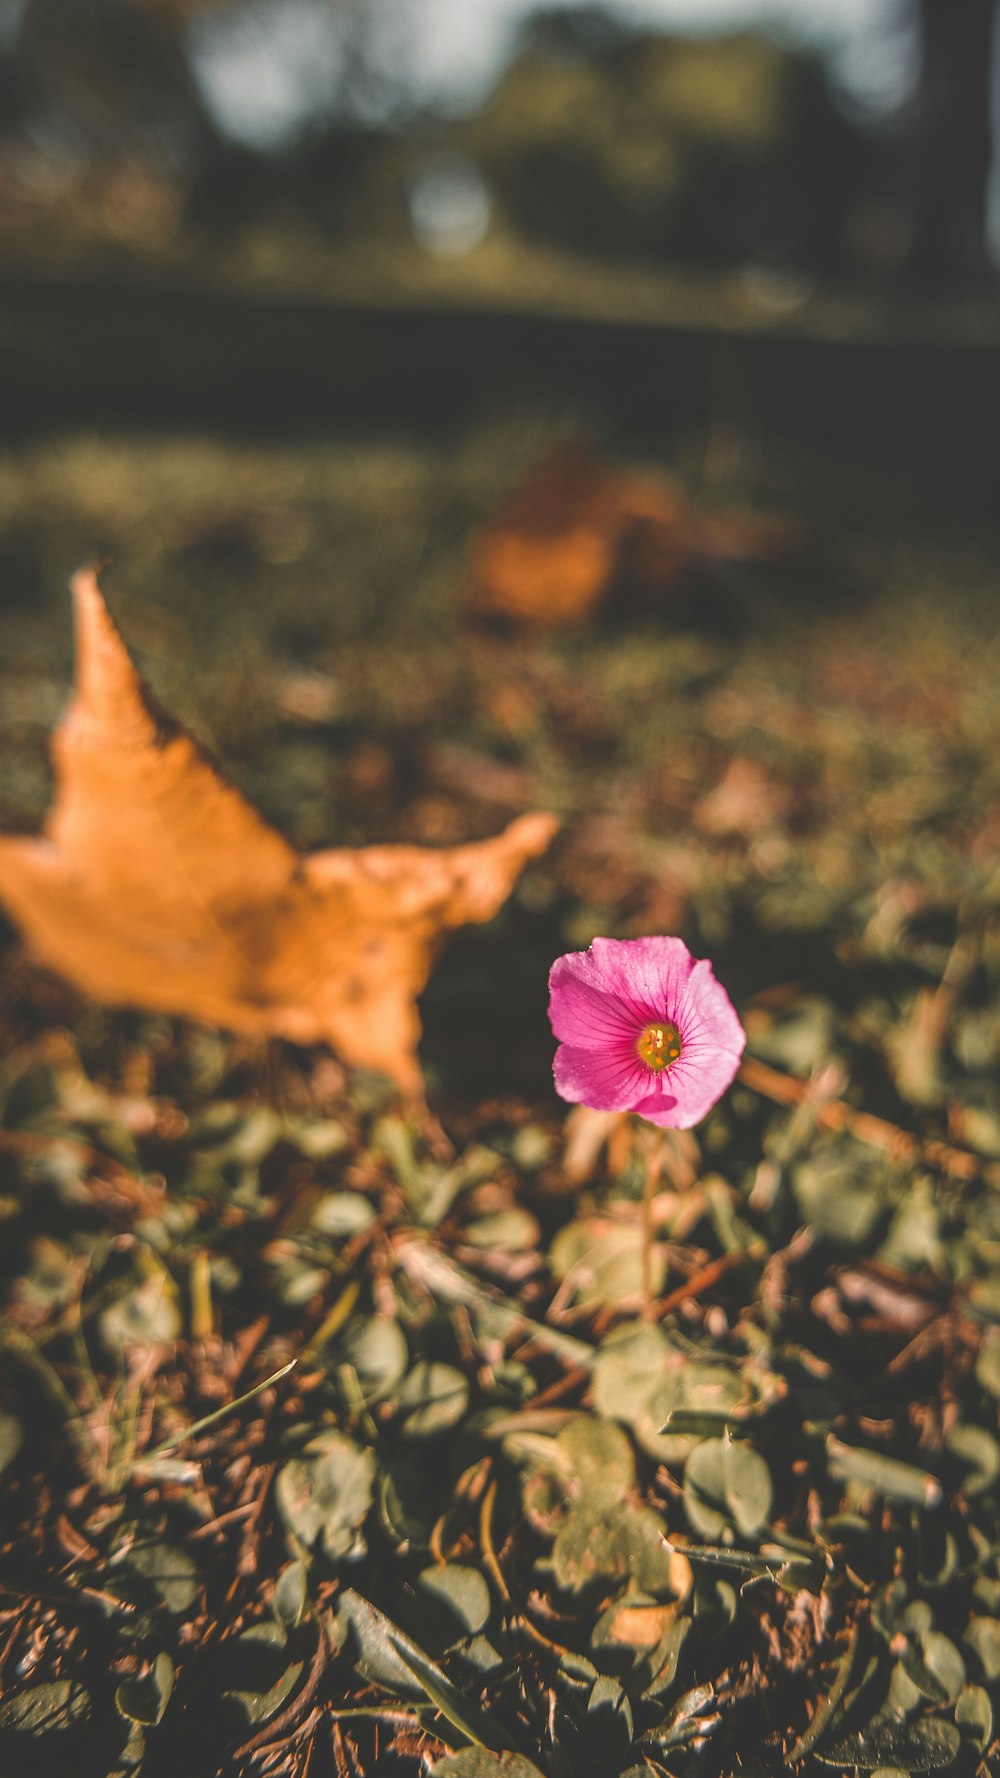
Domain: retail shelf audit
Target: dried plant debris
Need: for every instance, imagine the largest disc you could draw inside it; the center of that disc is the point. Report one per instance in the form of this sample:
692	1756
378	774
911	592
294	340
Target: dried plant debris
330	1443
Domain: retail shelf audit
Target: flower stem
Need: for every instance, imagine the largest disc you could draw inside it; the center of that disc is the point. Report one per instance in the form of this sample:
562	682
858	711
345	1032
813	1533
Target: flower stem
654	1167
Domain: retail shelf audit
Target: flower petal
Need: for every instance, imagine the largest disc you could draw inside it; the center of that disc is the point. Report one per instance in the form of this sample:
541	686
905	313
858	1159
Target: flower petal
608	1079
687	1092
649	975
707	1019
583	1009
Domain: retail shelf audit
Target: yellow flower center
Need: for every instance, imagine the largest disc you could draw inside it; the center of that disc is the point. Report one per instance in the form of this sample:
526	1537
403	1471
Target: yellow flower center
659	1045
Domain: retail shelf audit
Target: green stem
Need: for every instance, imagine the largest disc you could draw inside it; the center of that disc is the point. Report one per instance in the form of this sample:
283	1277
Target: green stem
654	1167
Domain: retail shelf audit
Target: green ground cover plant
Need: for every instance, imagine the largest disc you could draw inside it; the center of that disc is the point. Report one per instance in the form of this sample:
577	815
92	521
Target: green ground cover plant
340	1436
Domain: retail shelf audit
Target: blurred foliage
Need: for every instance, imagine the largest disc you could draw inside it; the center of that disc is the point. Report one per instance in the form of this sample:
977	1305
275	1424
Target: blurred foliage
595	139
718	149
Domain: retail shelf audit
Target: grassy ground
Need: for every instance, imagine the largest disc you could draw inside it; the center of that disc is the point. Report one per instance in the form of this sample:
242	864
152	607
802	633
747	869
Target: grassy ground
494	1503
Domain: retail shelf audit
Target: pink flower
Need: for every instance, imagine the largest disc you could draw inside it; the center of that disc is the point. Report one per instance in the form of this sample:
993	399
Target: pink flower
643	1026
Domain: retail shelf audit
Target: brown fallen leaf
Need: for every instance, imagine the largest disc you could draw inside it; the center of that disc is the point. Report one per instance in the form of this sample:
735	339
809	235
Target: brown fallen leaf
156	884
577	530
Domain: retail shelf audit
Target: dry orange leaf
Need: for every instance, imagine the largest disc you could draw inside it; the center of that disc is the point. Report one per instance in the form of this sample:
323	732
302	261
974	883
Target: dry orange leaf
155	884
577	530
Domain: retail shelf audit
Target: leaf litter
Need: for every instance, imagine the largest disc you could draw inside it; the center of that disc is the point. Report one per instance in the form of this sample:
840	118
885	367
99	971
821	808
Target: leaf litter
494	1520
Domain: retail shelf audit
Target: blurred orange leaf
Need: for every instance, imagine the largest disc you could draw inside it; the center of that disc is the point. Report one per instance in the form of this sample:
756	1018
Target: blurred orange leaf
156	884
577	530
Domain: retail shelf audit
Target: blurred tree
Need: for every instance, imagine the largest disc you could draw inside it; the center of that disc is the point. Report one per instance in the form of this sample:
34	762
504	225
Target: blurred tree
951	146
104	107
720	149
111	79
99	89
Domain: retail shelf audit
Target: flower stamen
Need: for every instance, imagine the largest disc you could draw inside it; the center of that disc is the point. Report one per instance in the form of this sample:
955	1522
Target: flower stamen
659	1046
